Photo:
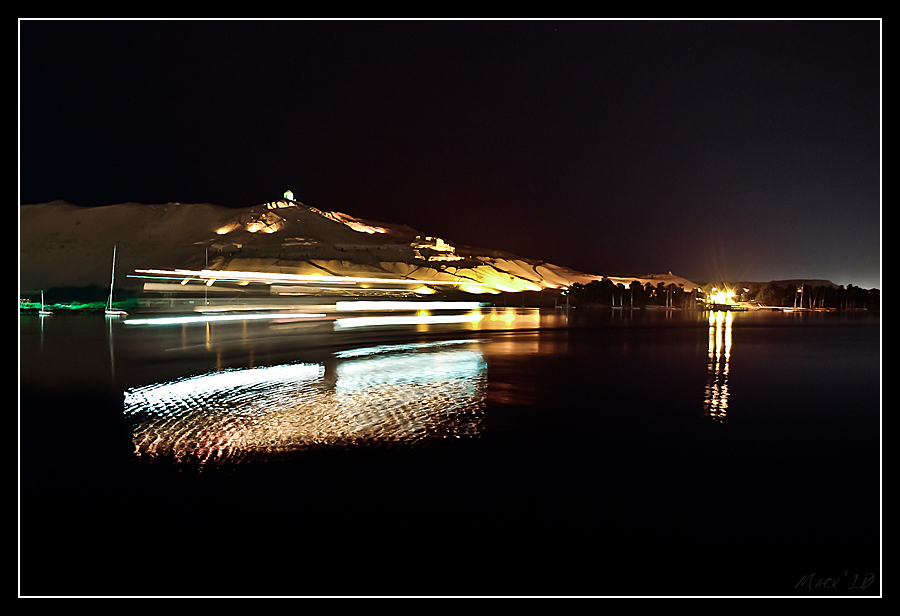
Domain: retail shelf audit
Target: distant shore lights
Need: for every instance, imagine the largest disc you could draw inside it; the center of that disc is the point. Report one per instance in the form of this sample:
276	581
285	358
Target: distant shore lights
721	296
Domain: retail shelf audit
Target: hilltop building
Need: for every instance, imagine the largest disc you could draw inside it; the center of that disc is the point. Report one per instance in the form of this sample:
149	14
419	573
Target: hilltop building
434	249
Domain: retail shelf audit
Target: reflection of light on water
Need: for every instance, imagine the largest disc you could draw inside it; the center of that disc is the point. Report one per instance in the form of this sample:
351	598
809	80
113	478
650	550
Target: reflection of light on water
374	306
716	395
499	318
422	318
207	318
390	348
400	395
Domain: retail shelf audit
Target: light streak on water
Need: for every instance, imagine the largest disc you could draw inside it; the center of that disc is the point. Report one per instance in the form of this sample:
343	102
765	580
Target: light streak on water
209	318
423	319
389	348
283	278
401	395
716	393
374	306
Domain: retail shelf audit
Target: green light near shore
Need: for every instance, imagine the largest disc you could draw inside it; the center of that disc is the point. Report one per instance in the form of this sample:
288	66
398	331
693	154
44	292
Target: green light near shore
70	307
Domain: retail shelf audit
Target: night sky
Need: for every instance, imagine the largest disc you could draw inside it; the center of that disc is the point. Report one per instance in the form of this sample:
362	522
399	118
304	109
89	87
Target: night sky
741	150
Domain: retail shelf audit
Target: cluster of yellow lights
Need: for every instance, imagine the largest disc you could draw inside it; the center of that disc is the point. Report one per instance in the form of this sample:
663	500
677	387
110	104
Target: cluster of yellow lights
256	226
723	296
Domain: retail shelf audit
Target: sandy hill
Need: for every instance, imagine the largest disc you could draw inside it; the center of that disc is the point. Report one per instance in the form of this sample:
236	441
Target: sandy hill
61	244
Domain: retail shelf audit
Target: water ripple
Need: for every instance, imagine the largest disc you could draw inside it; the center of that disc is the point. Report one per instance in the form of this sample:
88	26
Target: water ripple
404	396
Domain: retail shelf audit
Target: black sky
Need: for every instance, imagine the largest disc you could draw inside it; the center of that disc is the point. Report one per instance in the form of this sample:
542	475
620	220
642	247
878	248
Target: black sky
714	149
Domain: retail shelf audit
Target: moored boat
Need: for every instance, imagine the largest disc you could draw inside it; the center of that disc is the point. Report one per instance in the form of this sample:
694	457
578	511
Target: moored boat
43	311
110	311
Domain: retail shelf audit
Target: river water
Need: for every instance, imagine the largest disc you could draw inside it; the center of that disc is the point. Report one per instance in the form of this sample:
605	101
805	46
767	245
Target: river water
528	452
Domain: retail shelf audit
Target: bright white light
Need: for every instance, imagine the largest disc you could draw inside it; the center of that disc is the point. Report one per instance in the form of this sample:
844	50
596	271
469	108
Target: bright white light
295	278
437	369
406	320
392	348
158	398
374	306
206	318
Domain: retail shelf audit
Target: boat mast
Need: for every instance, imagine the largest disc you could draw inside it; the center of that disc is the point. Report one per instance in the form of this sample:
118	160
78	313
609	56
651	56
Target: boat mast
112	280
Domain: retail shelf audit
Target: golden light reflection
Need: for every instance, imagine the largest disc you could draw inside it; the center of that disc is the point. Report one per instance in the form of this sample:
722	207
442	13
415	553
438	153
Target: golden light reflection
716	394
475	318
507	317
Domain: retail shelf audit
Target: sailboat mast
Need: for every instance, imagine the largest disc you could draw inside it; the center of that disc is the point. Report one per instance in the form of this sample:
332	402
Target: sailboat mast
112	280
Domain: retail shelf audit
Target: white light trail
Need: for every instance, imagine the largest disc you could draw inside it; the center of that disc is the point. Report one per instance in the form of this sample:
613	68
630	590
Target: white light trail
298	278
206	318
375	306
392	348
406	320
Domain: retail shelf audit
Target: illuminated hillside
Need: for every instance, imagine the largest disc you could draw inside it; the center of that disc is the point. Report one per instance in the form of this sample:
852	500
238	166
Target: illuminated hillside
290	247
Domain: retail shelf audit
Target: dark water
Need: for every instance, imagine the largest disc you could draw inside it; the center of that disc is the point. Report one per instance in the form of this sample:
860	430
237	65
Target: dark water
528	453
